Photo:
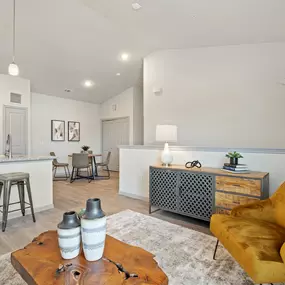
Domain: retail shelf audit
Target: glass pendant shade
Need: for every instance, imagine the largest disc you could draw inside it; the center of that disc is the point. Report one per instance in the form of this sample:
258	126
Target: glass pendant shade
13	69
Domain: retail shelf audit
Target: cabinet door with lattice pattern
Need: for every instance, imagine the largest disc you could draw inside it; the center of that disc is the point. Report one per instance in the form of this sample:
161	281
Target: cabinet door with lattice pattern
196	195
163	189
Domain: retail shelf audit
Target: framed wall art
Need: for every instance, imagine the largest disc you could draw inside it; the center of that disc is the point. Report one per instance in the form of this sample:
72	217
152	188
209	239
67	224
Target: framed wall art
73	131
57	131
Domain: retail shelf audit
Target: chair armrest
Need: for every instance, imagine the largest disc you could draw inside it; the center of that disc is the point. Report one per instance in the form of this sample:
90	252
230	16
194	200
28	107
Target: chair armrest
261	210
282	252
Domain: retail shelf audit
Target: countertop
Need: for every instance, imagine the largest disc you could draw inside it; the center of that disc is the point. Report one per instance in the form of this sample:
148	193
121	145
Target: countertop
25	158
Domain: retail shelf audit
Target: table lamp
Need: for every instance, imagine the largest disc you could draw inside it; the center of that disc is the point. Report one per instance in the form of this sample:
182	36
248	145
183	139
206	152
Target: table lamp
166	134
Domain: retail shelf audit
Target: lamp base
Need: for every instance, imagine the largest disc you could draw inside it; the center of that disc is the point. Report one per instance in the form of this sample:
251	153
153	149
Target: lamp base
166	156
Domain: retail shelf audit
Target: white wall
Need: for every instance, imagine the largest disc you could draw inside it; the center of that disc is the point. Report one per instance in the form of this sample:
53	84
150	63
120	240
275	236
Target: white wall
46	108
218	96
10	84
138	115
126	104
135	162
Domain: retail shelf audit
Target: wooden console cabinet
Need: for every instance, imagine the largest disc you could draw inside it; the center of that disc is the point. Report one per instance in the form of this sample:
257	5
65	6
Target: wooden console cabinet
201	192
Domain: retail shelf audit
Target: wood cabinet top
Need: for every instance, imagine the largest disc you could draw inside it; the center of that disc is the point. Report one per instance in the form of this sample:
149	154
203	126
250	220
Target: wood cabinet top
216	171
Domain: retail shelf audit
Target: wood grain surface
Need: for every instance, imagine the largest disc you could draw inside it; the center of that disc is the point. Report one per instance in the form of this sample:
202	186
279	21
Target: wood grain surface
223	211
230	200
239	185
216	171
38	262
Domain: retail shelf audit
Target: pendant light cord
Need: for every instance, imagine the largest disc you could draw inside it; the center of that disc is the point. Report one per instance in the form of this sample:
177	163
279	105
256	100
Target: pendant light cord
14	30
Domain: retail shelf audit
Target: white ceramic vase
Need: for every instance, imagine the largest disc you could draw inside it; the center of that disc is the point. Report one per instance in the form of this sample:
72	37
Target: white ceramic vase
93	230
69	236
166	156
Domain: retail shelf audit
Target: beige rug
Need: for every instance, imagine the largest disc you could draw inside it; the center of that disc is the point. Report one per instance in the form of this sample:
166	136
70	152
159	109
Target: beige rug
184	255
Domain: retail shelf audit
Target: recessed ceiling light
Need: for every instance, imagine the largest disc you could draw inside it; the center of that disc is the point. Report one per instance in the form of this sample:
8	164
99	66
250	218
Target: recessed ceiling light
136	6
88	83
124	56
118	74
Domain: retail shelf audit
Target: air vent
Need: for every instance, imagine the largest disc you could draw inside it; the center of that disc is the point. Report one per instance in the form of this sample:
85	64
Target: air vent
15	98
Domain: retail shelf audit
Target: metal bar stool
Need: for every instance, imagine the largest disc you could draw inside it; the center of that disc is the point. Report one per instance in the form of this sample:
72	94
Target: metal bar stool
7	180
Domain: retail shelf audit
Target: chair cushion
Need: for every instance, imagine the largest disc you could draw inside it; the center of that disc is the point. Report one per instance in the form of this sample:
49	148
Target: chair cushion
13	176
255	244
59	164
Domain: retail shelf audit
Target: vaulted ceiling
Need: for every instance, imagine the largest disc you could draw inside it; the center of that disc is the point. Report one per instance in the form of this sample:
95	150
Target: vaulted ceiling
60	43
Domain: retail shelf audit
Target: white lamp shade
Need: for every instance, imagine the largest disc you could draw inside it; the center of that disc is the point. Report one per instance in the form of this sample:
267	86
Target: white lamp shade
166	133
13	69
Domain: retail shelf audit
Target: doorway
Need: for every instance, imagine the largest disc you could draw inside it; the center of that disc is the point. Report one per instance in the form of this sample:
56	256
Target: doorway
16	124
115	132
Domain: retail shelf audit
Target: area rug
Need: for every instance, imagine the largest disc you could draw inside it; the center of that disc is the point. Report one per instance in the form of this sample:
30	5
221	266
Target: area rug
184	255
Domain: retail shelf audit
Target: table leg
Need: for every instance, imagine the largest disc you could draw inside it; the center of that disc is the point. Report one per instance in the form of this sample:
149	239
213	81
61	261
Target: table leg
93	167
96	170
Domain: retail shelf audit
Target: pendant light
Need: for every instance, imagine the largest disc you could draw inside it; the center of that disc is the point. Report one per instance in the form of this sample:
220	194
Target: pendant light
13	67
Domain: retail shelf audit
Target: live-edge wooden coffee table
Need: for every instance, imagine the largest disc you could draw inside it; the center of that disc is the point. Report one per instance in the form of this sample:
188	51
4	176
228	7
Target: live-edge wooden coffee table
40	263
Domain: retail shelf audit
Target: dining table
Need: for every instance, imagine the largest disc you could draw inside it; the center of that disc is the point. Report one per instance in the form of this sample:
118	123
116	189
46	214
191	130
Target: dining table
93	164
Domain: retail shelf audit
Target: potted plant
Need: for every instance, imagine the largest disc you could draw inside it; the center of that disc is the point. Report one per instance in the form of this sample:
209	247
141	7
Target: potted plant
85	148
234	156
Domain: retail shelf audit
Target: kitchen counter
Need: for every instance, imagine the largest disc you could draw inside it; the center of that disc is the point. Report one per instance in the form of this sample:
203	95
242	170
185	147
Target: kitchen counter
24	158
40	170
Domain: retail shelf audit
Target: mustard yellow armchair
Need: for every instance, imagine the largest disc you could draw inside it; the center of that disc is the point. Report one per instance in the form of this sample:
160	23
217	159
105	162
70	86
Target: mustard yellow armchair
254	235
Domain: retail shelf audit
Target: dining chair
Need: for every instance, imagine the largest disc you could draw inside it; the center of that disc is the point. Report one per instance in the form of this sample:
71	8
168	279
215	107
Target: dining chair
56	164
105	164
80	161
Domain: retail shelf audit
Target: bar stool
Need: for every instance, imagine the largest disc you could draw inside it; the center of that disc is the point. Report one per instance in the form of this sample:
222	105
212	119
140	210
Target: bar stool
7	180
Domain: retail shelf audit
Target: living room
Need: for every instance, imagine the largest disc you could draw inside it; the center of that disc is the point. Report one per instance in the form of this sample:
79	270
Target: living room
160	124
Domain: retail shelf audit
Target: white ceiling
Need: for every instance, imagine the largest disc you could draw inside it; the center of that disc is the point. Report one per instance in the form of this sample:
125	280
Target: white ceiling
62	42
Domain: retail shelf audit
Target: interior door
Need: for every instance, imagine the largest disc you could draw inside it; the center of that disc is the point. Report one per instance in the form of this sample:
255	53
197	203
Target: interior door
16	124
114	133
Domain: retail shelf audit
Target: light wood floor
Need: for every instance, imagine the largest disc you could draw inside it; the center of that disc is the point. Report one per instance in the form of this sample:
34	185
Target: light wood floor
21	231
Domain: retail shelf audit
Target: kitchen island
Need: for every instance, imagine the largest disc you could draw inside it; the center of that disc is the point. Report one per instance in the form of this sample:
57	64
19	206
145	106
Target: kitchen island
40	170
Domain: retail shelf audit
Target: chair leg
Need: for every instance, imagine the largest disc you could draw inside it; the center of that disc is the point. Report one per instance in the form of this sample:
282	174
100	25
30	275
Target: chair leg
1	188
65	172
54	173
89	173
21	192
72	174
28	186
108	171
6	201
214	256
68	171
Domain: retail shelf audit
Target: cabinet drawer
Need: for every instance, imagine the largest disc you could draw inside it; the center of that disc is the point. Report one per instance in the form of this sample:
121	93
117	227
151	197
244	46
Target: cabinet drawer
239	185
231	200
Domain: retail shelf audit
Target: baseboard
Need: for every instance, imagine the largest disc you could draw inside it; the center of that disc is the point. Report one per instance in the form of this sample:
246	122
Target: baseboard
28	211
133	196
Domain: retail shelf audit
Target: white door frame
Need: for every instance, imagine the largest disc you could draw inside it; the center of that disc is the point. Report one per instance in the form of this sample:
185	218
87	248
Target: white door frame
112	119
4	125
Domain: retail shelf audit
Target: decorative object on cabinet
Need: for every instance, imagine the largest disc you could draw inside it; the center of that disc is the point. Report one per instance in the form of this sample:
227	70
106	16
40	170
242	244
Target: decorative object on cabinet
191	164
93	229
57	130
200	192
68	231
234	156
166	134
73	131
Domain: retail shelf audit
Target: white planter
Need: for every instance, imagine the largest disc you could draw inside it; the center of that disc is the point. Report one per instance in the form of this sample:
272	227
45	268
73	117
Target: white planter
69	242
93	237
